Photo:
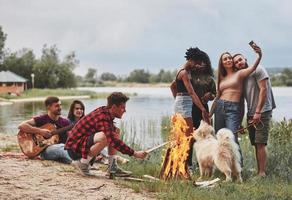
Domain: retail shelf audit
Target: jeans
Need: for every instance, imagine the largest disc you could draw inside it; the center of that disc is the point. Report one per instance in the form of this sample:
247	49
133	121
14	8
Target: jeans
227	115
56	152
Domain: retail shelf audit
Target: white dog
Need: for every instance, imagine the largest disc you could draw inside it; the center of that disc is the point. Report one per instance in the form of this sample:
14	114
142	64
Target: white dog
205	147
222	152
227	157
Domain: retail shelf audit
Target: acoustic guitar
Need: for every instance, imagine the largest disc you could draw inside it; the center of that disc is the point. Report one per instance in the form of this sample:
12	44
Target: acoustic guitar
33	144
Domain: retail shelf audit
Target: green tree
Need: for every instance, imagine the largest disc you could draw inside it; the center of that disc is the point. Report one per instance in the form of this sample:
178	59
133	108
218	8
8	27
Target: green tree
2	44
65	72
139	76
166	76
50	72
21	63
154	78
106	76
91	76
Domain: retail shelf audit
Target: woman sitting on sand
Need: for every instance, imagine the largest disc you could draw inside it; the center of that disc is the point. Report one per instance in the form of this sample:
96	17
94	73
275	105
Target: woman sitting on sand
76	111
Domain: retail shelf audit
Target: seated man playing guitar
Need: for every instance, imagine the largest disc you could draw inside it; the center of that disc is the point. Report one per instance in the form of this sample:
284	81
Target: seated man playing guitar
37	135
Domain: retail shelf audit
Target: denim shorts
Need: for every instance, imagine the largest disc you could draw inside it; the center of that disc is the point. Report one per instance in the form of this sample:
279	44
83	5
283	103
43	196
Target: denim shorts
183	106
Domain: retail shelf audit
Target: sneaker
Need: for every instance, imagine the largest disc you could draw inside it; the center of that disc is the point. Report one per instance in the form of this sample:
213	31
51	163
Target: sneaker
81	167
122	160
114	170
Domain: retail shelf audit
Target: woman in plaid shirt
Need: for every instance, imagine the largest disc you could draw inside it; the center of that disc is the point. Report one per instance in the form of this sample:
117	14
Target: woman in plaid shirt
95	131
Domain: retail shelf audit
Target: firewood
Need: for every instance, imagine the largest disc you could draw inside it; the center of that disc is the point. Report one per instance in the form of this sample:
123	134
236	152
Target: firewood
150	177
206	183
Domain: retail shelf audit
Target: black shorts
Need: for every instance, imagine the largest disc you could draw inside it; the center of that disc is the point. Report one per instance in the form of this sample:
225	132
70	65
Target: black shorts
77	155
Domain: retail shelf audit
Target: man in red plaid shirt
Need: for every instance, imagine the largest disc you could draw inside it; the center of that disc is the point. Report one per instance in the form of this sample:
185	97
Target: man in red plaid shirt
95	131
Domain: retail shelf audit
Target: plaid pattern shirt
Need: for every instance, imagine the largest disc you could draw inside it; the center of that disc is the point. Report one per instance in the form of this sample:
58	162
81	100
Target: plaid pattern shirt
98	120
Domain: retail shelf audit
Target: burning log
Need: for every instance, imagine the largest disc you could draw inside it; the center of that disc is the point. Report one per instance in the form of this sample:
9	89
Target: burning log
174	164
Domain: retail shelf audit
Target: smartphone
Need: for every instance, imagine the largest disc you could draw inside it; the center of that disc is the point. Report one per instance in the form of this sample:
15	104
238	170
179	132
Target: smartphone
252	43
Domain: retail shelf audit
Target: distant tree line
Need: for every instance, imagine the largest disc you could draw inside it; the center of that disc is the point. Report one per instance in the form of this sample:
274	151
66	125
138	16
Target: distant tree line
283	78
136	76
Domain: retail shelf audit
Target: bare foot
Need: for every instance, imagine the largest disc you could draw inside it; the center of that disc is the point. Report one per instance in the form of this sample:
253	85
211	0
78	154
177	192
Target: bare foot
262	174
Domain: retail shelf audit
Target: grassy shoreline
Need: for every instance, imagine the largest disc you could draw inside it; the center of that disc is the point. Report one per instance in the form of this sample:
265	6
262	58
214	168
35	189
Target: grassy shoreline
126	84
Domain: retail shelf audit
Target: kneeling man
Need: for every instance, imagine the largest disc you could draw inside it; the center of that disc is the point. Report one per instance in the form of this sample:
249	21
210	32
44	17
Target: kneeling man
95	131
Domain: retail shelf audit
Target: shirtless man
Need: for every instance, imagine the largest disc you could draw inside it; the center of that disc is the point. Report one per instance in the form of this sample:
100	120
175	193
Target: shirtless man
56	151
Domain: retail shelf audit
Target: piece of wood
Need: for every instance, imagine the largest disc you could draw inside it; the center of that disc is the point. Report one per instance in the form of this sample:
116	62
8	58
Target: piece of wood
165	161
206	183
152	178
131	179
157	147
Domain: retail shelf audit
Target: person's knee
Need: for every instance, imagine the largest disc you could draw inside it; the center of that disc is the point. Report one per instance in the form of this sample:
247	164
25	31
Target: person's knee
99	137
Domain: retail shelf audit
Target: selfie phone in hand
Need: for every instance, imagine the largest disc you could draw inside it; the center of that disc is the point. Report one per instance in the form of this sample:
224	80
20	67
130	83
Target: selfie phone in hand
252	43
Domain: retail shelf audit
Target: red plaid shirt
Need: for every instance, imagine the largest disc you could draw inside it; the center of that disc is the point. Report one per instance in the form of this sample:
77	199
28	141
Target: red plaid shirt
96	121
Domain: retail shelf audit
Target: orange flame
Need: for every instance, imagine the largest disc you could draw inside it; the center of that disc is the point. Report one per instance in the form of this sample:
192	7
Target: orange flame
174	164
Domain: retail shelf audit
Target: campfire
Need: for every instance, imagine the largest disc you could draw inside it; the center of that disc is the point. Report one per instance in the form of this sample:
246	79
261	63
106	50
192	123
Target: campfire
174	164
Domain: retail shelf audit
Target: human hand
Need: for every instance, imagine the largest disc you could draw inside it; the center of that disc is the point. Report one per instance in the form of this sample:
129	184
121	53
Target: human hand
207	96
45	133
140	154
256	48
206	117
256	118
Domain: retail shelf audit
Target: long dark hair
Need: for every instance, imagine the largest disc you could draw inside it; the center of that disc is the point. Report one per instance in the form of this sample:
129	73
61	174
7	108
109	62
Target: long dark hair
198	55
221	70
207	61
71	116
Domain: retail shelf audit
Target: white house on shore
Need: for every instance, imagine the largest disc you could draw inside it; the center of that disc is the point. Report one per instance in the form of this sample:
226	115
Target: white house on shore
12	83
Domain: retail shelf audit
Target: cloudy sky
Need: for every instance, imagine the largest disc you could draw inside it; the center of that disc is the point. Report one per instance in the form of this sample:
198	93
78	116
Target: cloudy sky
121	35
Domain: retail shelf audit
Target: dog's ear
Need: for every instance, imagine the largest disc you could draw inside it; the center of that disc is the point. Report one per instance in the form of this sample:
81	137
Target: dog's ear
196	134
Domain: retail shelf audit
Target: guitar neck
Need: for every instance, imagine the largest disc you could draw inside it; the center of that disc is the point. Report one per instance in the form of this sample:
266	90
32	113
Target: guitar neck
63	129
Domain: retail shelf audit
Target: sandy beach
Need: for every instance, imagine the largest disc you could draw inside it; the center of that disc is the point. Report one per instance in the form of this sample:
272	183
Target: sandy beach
21	178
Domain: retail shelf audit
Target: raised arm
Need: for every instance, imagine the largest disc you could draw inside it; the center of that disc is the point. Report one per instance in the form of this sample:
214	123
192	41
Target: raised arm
245	72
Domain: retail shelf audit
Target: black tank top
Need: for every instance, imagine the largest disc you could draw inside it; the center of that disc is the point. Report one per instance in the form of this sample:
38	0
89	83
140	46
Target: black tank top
180	86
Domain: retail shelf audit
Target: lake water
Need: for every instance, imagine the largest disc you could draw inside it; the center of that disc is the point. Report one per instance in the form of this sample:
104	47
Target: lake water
142	121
